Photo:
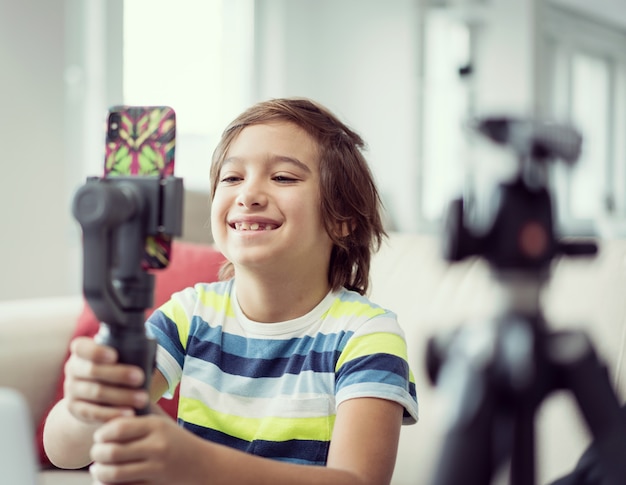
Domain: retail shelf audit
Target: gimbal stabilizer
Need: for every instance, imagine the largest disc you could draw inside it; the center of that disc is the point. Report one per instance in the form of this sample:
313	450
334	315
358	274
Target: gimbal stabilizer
497	375
116	215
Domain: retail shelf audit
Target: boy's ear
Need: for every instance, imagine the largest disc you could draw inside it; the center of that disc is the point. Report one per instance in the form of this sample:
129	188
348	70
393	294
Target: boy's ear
344	229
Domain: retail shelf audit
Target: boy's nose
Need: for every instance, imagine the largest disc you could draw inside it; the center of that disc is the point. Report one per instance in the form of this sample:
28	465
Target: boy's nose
251	195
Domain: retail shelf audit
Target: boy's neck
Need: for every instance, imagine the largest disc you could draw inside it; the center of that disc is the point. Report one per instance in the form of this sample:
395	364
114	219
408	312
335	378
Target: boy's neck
263	300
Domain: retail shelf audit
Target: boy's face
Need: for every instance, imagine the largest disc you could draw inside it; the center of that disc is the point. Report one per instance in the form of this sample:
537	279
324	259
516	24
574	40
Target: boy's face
265	214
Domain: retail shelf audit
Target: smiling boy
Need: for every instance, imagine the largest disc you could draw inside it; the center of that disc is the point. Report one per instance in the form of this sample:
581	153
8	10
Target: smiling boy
288	373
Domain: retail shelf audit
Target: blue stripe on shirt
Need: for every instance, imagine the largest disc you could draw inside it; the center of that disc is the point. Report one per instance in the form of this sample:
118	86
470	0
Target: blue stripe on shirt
269	367
310	452
249	347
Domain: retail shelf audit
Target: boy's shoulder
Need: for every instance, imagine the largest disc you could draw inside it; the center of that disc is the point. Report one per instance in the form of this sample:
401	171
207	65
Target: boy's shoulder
203	288
201	292
219	287
358	302
350	305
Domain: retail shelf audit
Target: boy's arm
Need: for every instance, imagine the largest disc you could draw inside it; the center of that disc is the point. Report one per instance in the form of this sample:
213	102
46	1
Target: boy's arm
365	439
66	440
97	389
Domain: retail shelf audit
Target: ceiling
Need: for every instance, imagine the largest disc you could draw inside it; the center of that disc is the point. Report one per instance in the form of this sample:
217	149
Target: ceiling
613	11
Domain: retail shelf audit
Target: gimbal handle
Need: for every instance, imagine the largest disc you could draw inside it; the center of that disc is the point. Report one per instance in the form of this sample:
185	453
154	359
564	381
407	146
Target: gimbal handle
116	215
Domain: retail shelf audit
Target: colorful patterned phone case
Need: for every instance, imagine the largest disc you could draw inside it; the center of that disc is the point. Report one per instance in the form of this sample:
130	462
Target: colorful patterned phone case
141	140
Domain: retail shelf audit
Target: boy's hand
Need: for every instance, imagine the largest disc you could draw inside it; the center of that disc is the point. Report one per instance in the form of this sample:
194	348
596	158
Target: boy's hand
97	388
149	450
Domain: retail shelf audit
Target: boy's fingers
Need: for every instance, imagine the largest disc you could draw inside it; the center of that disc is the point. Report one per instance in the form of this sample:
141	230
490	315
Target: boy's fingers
86	348
107	395
125	430
90	360
94	413
117	374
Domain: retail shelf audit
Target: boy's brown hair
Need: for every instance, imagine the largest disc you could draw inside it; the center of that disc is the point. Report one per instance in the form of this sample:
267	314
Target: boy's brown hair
349	197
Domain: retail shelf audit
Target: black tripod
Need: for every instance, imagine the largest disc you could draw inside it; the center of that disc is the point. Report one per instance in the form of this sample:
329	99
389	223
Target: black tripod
496	375
116	215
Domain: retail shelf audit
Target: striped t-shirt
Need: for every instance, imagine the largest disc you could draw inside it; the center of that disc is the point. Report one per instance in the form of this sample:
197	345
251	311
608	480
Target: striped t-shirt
272	389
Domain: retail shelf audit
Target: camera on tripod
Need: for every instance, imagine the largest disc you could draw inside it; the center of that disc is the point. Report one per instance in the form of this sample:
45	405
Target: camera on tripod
496	375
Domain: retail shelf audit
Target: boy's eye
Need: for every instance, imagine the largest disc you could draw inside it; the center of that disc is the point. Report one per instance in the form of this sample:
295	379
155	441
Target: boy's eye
229	179
284	178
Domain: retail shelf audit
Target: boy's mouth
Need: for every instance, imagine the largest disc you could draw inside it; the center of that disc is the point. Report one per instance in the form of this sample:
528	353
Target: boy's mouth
253	226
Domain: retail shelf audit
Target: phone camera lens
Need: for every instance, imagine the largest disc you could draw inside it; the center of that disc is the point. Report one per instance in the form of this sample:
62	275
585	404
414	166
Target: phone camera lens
114	126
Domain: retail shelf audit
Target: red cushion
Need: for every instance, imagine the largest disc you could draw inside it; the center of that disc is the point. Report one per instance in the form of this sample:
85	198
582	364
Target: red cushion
190	264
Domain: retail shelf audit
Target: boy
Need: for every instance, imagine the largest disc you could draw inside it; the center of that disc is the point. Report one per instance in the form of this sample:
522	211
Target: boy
287	372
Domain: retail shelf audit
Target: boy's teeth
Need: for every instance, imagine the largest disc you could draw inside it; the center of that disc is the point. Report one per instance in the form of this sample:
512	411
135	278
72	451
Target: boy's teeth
254	226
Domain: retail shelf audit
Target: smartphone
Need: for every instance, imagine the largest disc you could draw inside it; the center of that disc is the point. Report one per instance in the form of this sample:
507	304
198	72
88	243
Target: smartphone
141	140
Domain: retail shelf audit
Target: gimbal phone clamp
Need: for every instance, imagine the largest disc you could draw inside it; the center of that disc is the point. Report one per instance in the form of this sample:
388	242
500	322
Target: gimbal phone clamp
494	375
116	215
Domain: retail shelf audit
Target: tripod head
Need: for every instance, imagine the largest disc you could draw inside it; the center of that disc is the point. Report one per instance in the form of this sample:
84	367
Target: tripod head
541	141
521	234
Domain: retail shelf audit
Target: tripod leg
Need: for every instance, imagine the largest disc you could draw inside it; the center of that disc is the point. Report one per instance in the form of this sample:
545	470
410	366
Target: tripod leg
588	470
523	455
587	378
467	454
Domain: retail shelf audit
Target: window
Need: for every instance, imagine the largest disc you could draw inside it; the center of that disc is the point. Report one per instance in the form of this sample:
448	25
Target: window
589	74
587	86
445	107
195	56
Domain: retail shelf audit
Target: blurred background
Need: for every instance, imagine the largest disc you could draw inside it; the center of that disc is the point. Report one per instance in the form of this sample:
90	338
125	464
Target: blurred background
405	74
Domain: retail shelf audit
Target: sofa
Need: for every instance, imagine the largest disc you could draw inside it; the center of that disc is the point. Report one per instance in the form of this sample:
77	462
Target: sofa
430	297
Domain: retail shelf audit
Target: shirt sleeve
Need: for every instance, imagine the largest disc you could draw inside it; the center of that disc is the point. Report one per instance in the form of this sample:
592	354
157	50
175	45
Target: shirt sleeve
374	363
170	326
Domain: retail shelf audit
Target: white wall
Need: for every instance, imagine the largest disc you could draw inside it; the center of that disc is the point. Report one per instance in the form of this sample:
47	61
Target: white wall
506	57
53	93
34	203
